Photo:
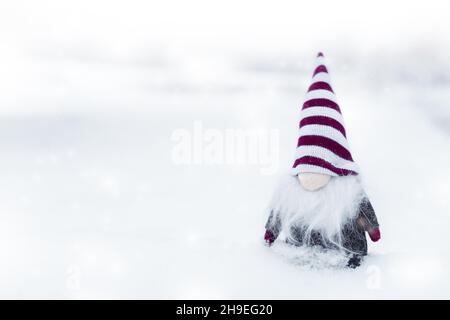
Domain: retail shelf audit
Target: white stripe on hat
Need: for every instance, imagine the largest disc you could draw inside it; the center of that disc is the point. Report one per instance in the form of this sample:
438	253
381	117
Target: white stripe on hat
322	111
322	77
324	131
319	61
325	154
320	94
311	168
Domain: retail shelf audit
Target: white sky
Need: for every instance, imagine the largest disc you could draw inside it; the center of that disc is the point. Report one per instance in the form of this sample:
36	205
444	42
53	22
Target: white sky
35	34
220	23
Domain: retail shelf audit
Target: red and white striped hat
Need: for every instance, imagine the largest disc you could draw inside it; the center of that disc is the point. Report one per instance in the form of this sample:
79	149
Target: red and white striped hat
322	145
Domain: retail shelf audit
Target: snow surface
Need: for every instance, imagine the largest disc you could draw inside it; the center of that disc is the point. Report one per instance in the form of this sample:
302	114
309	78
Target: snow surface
93	205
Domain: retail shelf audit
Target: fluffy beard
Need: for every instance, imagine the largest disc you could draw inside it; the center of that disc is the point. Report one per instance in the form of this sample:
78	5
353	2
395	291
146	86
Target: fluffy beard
325	210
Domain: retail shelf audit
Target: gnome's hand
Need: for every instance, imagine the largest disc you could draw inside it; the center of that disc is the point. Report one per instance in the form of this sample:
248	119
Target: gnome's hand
374	234
269	237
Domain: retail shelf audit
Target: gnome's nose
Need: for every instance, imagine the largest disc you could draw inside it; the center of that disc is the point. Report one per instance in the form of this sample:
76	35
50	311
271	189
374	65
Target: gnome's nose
320	54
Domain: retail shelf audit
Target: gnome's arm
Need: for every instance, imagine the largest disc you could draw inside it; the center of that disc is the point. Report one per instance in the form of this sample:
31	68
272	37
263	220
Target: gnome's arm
368	220
273	228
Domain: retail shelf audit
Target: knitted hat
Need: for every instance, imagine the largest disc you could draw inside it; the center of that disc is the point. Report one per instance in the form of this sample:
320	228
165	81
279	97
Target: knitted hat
322	145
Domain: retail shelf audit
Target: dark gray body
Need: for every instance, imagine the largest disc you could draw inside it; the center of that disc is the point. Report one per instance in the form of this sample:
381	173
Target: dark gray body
353	237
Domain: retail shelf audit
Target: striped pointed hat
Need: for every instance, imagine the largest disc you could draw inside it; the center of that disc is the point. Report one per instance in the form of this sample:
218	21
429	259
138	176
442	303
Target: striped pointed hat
322	145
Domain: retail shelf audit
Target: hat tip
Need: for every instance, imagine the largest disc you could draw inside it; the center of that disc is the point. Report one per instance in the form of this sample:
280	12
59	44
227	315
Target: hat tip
320	54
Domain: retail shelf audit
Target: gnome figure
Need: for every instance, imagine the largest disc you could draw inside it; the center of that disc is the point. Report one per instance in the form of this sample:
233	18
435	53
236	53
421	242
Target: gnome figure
322	202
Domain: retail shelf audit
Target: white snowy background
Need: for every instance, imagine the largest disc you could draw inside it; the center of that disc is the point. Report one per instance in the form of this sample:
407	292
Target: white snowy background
92	204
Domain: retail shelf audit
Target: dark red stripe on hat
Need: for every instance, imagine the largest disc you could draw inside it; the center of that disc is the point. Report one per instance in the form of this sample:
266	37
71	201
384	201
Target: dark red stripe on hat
321	102
320	54
319	69
326	143
322	120
324	164
320	86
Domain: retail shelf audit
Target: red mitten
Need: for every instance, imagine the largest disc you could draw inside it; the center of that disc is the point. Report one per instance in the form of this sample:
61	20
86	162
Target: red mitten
375	234
269	237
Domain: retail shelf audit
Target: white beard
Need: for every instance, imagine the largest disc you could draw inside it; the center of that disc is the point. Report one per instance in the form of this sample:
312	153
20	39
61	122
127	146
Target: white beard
325	210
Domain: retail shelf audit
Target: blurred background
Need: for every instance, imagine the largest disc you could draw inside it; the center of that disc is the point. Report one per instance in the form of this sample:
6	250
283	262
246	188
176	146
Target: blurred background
92	204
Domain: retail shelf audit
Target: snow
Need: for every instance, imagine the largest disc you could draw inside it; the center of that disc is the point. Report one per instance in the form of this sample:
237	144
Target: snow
93	204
